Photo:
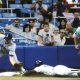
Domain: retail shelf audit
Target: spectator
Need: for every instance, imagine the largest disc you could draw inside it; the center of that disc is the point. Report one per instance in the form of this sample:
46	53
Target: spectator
62	37
69	28
76	21
62	24
56	36
59	38
70	39
4	3
51	26
45	36
15	28
52	11
41	9
30	38
60	11
1	3
31	24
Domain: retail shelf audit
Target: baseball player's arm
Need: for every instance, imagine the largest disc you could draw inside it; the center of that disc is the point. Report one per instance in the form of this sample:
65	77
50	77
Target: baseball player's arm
12	55
12	61
8	27
75	36
76	42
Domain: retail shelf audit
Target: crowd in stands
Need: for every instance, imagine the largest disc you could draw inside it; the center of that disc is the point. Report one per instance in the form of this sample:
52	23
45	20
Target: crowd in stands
53	24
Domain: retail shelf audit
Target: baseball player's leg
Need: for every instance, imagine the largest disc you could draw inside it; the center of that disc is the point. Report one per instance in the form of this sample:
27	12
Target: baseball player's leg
14	60
16	63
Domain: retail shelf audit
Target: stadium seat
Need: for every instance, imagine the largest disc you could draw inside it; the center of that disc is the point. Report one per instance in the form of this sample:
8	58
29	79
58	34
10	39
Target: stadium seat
1	25
47	1
33	1
17	1
6	21
8	15
0	15
27	6
23	21
25	12
16	6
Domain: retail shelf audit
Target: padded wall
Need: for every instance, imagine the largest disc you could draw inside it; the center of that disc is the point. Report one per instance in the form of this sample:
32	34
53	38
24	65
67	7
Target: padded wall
55	55
20	51
4	61
68	55
47	54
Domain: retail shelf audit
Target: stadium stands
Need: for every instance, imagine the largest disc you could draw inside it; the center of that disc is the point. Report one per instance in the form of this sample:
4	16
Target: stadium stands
0	15
16	6
27	6
29	53
17	1
47	1
9	15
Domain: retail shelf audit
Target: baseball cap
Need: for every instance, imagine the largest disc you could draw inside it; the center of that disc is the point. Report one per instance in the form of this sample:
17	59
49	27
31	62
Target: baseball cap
8	37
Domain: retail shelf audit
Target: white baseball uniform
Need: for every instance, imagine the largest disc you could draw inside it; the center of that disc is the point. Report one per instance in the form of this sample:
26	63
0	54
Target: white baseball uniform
77	33
60	70
8	49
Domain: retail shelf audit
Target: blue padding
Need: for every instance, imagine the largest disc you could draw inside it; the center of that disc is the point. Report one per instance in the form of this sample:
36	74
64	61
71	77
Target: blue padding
4	63
20	53
68	56
16	6
47	54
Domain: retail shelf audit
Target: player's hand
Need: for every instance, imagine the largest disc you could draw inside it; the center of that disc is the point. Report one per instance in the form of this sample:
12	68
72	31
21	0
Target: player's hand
76	46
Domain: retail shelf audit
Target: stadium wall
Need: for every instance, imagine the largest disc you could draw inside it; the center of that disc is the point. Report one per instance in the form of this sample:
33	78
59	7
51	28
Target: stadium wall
51	55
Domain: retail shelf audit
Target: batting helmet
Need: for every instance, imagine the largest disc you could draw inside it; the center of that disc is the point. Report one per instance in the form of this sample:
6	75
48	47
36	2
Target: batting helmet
38	63
8	36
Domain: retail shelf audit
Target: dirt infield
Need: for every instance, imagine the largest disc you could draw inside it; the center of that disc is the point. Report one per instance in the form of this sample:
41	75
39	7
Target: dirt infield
37	78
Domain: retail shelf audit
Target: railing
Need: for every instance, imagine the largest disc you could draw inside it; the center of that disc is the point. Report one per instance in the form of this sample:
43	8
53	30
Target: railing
8	9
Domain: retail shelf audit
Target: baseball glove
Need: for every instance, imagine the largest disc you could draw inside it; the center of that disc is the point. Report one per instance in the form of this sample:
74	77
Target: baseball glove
18	65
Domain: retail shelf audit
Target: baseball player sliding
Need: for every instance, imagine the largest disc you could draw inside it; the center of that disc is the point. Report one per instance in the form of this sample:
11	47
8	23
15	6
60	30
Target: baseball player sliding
7	47
58	70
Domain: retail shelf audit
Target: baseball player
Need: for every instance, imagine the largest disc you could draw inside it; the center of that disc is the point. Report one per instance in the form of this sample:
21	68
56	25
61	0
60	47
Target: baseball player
7	47
59	70
76	36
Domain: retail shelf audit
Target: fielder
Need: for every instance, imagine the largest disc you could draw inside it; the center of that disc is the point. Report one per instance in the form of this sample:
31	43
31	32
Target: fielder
7	47
59	70
76	36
